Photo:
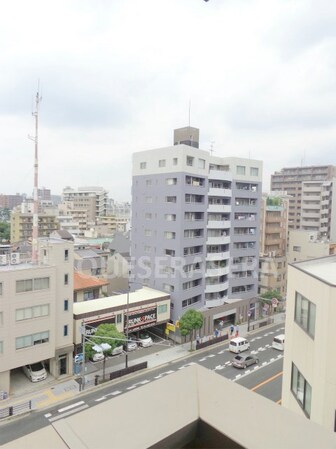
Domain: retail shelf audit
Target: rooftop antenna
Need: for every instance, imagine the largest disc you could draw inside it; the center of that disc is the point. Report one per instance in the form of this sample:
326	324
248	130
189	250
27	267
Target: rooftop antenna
211	147
35	114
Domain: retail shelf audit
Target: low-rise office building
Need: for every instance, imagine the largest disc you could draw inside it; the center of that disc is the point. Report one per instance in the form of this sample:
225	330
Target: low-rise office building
36	311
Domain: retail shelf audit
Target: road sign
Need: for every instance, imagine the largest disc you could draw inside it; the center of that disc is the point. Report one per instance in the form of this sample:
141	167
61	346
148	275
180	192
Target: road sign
274	302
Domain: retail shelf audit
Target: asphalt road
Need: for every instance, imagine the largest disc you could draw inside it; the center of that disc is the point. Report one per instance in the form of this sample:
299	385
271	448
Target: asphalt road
264	378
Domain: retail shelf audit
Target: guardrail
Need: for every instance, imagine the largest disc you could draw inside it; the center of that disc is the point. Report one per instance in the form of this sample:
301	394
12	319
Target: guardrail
16	409
130	369
213	341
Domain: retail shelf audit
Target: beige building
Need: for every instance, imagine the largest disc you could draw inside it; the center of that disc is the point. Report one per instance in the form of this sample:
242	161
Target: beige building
88	287
291	179
191	408
273	242
22	225
305	245
36	321
91	199
309	380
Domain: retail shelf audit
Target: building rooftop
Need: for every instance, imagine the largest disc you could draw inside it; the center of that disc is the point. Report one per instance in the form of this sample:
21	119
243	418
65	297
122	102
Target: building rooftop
191	408
95	305
83	281
323	269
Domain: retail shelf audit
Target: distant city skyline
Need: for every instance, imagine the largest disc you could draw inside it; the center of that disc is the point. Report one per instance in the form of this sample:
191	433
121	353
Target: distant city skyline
257	78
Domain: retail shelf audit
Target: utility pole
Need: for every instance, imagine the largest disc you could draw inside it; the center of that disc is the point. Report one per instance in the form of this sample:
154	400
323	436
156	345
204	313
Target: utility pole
35	208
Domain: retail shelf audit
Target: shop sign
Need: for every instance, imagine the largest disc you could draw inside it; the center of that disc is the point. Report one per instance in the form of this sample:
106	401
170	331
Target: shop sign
140	319
91	326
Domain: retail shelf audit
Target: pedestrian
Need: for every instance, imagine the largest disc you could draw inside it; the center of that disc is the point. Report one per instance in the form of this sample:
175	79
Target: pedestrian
198	340
237	331
231	329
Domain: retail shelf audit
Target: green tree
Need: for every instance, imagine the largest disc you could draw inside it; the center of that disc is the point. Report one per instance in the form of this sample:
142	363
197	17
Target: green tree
271	294
190	322
115	338
4	231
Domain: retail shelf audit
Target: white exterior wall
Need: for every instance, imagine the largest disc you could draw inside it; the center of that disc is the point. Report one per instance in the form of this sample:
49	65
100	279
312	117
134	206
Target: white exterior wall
313	357
310	247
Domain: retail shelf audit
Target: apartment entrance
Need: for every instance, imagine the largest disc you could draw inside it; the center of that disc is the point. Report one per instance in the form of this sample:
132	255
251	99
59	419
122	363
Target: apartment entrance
62	364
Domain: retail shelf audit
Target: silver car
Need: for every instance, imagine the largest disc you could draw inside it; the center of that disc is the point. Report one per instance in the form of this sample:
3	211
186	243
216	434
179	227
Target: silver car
243	361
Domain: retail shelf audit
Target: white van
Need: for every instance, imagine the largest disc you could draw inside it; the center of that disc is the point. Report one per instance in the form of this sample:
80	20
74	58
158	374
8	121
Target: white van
239	344
279	342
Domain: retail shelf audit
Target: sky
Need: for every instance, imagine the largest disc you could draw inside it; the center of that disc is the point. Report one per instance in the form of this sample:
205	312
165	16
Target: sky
117	76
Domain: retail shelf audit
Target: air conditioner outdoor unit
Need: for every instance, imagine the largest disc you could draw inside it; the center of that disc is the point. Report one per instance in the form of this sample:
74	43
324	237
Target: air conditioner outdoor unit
15	258
3	259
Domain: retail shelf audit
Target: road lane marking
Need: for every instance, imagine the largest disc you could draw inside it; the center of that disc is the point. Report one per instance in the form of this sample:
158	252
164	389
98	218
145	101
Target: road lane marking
47	415
69	407
70	412
114	393
131	387
144	382
267	381
100	399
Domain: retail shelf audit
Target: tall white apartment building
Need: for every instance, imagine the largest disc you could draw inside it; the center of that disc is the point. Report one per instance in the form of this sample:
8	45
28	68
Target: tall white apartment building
36	320
195	224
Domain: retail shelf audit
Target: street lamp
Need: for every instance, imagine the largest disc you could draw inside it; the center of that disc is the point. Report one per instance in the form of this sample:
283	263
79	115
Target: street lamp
127	309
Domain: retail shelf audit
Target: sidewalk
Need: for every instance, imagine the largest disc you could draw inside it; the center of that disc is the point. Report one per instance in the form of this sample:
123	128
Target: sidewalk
58	392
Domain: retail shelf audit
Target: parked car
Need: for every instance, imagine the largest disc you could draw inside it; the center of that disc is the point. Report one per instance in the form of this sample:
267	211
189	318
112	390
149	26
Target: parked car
117	350
97	357
145	340
79	358
243	361
131	344
35	372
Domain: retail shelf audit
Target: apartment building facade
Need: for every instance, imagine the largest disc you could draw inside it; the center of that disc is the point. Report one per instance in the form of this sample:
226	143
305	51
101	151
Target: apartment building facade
309	370
273	242
22	225
306	245
36	321
93	199
291	179
195	225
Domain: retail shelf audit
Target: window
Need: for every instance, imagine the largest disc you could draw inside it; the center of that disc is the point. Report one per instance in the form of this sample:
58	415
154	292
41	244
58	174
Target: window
0	288
148	182
32	312
1	347
301	390
190	161
149	199
171	181
28	285
32	340
170	217
66	305
297	249
241	169
305	312
175	161
170	199
66	254
119	318
170	252
25	285
148	232
162	162
66	279
254	171
65	330
169	235
162	308
1	318
143	165
88	295
201	163
148	216
168	287
147	249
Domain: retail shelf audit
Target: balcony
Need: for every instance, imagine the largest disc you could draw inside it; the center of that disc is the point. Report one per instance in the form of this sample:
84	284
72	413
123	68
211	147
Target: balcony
214	191
220	175
214	288
220	240
218	224
219	208
218	256
220	271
